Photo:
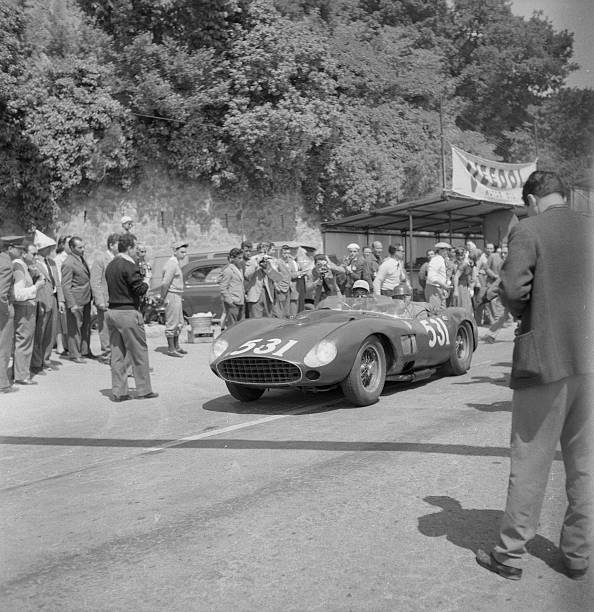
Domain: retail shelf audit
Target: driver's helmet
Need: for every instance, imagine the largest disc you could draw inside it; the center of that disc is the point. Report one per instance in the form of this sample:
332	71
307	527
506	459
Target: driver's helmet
401	292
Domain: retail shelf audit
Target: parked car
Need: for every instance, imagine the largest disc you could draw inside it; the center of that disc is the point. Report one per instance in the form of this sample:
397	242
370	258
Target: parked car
201	289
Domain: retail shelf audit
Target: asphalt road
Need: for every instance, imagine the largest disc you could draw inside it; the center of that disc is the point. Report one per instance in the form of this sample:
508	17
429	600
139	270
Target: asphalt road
193	501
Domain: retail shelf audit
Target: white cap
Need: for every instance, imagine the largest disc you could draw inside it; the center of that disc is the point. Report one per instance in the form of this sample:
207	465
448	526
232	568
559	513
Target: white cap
361	284
126	219
41	241
443	245
353	245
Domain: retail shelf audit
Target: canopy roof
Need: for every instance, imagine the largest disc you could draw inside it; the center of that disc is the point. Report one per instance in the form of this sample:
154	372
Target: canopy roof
441	213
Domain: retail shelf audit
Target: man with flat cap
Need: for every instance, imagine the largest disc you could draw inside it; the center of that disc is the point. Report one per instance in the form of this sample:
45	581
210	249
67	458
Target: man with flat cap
127	224
10	248
172	288
438	285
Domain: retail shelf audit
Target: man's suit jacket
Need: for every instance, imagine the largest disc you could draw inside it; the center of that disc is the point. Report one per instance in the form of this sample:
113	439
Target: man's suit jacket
76	282
546	282
6	283
45	293
98	283
232	288
257	280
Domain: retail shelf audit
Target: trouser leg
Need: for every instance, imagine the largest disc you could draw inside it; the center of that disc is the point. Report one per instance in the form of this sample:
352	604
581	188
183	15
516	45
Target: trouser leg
74	326
6	344
119	374
537	420
134	337
43	320
85	331
576	440
50	333
103	332
24	333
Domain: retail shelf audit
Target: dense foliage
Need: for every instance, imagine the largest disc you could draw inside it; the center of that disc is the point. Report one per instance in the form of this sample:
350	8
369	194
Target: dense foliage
337	100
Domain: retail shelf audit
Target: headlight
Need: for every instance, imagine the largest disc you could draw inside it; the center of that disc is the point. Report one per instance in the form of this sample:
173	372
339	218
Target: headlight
218	347
321	354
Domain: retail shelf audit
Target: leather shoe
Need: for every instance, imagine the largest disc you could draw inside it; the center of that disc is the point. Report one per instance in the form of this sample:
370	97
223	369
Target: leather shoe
181	350
174	354
119	398
77	360
8	389
27	381
489	562
150	395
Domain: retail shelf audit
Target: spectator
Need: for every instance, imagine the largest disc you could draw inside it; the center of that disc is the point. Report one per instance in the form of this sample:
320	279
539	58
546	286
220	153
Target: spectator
372	265
377	249
10	249
551	376
462	281
232	289
127	224
127	336
76	285
492	269
323	279
282	285
172	288
391	272
25	313
246	250
438	287
50	304
259	284
62	251
423	270
356	268
101	294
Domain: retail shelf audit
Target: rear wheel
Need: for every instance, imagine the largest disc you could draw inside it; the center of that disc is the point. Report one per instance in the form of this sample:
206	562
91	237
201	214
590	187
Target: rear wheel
461	354
366	379
244	393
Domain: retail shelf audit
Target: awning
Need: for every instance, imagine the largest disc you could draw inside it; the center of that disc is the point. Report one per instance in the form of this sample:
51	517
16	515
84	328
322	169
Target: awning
442	213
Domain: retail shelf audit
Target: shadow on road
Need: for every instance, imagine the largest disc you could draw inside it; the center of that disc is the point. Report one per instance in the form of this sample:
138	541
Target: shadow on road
494	407
474	529
478	380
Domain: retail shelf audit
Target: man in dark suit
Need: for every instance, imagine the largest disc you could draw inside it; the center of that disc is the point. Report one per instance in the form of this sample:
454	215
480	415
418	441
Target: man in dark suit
10	247
50	303
76	285
232	289
546	282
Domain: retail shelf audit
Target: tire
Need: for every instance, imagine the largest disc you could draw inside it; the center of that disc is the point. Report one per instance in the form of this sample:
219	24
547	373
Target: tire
461	355
244	393
366	379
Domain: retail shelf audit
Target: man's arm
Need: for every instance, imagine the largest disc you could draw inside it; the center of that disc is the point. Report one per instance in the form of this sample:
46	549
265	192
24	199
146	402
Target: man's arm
517	272
379	278
225	283
168	274
67	273
96	283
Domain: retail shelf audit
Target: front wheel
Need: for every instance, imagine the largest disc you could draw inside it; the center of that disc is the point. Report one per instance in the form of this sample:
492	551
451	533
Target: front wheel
366	379
244	393
461	354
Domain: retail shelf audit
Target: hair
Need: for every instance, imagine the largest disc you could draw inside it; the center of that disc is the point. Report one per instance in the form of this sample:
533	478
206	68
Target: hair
393	248
320	257
27	244
125	242
61	242
367	246
247	243
429	251
542	183
112	239
460	252
235	252
72	241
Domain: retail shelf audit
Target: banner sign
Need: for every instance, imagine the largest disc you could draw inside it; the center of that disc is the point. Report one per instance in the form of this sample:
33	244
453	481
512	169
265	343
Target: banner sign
491	181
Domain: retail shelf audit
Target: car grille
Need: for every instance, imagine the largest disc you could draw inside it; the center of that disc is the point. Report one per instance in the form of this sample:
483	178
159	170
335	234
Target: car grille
258	370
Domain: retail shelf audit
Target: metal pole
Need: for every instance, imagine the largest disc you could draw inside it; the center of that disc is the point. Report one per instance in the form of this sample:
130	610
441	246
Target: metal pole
412	244
442	140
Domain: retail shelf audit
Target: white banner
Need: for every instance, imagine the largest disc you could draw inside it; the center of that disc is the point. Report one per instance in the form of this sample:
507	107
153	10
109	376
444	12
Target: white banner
482	179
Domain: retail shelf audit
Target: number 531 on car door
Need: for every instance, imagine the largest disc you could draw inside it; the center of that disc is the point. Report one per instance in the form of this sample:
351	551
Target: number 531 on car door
437	332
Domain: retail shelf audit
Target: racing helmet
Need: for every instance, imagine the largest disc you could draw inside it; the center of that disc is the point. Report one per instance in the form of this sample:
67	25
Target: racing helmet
401	291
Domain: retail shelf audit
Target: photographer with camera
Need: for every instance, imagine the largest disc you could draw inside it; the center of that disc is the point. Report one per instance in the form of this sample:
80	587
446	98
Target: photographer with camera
260	277
323	279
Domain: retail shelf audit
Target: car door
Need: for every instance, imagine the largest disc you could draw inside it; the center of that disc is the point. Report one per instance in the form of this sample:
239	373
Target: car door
201	287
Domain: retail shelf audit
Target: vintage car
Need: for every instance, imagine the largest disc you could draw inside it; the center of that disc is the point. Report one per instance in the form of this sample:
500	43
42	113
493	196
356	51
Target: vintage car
355	343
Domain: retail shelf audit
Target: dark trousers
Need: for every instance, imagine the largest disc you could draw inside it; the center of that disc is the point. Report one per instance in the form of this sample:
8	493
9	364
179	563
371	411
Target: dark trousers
45	333
127	339
79	331
233	314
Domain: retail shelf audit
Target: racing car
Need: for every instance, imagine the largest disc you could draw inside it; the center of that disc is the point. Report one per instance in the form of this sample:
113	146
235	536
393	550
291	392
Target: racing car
355	343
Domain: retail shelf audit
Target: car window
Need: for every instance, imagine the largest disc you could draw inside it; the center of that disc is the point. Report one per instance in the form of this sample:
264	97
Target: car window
203	274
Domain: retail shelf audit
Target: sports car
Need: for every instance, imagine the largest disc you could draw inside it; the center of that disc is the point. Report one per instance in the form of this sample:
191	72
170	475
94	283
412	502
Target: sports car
355	343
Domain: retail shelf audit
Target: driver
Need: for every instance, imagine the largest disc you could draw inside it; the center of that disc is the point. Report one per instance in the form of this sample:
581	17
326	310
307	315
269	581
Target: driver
360	289
405	306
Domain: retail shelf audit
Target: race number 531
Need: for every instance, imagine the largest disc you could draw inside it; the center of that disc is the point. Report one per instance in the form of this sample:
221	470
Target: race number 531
437	331
264	349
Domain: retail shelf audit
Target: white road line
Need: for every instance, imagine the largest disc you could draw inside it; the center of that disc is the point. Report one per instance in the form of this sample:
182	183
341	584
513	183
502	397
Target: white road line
217	432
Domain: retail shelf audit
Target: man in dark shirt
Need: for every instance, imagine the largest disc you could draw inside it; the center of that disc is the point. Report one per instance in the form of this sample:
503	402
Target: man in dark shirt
127	337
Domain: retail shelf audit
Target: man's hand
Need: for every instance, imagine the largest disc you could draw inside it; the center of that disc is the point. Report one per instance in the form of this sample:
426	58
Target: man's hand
61	308
101	306
40	282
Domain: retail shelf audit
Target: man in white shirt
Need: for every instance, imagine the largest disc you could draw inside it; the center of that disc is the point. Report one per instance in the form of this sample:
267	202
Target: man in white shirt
391	272
438	285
